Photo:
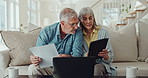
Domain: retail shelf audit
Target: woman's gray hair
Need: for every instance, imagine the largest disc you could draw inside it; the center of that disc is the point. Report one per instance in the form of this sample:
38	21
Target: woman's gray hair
84	11
67	14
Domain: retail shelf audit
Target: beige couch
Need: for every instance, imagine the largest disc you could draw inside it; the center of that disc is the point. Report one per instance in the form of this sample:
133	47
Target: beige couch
129	49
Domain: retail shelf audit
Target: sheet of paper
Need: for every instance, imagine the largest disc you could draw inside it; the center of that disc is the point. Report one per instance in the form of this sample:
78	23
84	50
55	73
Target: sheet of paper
46	52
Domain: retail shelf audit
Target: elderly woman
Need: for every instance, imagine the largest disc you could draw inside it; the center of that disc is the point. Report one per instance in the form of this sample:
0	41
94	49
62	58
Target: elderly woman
92	32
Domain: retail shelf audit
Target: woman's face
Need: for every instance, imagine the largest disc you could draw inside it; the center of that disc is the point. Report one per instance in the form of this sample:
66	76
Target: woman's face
87	20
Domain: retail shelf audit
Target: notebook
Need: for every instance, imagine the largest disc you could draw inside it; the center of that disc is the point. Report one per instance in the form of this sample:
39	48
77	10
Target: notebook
73	67
97	46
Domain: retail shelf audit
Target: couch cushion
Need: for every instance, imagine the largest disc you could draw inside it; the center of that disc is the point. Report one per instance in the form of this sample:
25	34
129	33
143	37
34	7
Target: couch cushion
121	68
143	41
2	44
4	61
18	43
124	43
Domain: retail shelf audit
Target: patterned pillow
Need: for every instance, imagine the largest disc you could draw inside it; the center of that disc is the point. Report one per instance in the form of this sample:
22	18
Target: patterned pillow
124	43
18	43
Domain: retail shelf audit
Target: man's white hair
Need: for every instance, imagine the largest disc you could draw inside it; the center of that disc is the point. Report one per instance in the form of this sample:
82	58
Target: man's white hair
67	14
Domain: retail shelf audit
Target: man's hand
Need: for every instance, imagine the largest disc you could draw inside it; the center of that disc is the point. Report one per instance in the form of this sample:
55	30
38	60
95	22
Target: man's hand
64	55
104	54
35	60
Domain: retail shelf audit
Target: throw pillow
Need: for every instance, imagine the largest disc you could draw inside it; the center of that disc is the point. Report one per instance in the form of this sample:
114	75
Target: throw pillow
124	43
143	41
33	28
19	44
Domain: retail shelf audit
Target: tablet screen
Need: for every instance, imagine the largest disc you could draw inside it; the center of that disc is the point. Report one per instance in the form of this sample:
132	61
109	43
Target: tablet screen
97	46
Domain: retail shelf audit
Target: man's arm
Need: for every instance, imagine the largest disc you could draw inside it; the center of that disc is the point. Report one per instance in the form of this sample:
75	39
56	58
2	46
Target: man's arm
77	46
43	37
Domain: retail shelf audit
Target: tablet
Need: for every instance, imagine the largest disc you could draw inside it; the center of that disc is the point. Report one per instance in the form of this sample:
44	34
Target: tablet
97	46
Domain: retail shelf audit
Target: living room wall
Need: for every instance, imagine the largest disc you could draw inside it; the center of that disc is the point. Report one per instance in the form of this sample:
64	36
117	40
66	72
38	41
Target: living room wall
47	16
23	7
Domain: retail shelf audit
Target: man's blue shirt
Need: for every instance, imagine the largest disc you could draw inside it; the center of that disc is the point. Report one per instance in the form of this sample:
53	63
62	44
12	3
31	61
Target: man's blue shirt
71	44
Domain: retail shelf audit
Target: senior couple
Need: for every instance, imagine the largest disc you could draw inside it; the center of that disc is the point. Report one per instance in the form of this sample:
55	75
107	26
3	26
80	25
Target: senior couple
69	38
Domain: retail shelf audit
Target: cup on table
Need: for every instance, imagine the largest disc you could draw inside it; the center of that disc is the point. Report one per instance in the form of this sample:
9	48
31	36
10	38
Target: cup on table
13	72
131	72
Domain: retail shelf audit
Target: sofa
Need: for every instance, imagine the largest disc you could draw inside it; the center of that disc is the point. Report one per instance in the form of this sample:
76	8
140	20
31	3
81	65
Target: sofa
129	47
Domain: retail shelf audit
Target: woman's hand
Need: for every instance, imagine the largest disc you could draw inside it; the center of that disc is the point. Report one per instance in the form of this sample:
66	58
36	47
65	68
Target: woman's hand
104	54
35	60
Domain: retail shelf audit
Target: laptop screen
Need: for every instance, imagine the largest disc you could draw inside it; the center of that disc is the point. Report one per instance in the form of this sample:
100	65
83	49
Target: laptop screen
74	67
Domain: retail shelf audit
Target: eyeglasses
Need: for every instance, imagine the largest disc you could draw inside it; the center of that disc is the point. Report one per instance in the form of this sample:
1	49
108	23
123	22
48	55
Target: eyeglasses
72	24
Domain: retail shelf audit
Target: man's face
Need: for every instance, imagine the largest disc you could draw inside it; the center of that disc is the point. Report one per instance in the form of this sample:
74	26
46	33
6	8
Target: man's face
71	26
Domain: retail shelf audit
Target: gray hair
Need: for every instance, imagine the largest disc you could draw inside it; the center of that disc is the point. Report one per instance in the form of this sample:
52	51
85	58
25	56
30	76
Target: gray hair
67	14
86	10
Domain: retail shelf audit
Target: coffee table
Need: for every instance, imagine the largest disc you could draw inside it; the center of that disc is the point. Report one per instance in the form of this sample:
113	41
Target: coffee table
47	76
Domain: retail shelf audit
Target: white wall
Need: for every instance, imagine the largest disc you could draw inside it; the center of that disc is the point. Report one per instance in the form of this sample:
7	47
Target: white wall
49	12
23	12
48	9
46	13
85	3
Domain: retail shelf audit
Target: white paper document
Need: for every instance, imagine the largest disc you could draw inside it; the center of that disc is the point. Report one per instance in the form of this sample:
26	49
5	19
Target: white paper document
46	53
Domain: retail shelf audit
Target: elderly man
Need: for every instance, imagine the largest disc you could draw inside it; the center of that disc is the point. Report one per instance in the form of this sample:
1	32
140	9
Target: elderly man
66	36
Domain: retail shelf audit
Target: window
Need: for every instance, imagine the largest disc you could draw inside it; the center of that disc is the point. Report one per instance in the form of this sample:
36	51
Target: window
2	15
111	15
9	17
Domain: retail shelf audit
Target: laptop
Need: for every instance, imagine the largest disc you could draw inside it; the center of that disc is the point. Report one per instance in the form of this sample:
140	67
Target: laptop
97	46
74	67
